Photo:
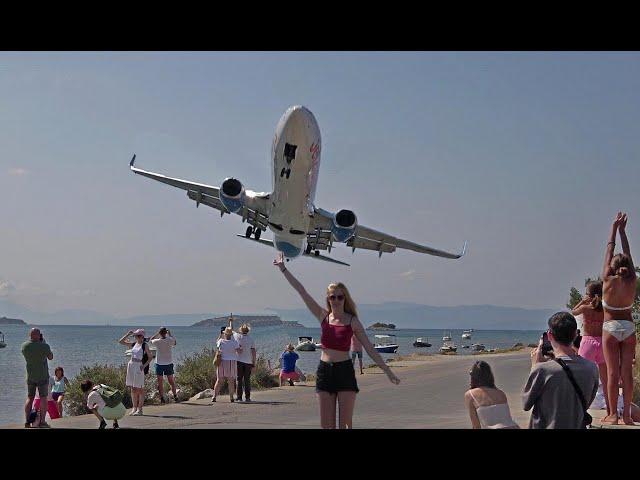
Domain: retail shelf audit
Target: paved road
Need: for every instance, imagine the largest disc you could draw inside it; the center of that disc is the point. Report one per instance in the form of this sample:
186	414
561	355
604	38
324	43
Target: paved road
430	395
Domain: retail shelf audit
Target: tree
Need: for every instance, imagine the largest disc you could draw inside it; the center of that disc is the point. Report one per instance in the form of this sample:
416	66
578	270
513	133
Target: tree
574	298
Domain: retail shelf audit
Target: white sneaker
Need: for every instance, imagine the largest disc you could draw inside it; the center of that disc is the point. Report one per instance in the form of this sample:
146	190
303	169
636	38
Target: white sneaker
139	412
133	412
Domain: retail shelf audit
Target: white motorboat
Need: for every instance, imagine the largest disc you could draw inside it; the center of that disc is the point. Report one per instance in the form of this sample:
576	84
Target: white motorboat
467	334
478	347
446	337
448	347
306	344
386	343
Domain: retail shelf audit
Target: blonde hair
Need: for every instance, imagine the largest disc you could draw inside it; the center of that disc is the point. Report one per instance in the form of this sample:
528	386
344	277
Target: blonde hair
349	304
228	332
291	347
245	328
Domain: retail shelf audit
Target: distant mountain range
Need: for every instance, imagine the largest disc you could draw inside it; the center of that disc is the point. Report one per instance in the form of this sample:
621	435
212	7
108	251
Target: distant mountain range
402	314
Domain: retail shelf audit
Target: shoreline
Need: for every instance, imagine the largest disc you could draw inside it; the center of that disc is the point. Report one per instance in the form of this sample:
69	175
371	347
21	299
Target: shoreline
430	395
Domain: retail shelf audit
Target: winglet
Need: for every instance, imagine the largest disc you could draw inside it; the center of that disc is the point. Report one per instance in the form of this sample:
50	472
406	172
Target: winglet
133	160
464	249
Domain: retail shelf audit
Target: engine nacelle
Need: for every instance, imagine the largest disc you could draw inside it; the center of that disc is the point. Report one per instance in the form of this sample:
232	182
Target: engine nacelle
232	195
344	225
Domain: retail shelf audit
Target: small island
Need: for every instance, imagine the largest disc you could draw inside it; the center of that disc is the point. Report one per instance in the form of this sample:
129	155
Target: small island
11	321
252	320
382	326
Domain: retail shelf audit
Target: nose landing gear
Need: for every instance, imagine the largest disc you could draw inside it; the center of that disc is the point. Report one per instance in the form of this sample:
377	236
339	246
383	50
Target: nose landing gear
253	231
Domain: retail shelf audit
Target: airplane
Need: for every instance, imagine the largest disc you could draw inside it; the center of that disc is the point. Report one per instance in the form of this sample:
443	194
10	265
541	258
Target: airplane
299	228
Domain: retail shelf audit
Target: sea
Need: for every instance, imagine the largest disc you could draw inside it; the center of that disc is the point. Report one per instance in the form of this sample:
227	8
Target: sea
74	346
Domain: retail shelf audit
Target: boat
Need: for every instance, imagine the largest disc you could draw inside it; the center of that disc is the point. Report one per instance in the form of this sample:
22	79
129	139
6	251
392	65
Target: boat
386	343
448	347
2	344
446	337
319	345
420	342
467	333
306	344
478	347
465	346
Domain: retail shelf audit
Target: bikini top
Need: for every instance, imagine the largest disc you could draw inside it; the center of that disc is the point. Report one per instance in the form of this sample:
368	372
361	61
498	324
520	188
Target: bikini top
609	307
336	337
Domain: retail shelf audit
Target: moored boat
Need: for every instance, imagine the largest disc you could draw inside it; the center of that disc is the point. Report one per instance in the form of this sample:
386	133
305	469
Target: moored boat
421	342
386	343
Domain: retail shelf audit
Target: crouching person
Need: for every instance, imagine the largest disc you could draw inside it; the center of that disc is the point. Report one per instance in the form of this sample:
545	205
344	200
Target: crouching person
104	402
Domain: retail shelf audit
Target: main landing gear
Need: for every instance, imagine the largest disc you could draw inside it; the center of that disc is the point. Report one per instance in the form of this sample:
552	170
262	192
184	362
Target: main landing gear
308	249
255	231
286	171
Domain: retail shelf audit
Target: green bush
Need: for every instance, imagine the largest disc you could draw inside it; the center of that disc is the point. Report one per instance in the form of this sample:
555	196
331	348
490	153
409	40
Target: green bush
194	374
112	375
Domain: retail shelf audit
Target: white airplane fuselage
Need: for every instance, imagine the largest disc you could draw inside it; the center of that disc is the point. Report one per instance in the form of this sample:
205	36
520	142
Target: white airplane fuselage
296	161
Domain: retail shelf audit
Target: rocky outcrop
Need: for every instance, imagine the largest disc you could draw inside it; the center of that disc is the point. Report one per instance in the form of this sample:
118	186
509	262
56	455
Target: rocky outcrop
208	393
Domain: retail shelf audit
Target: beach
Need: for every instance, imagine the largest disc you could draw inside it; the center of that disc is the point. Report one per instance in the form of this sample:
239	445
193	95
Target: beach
430	395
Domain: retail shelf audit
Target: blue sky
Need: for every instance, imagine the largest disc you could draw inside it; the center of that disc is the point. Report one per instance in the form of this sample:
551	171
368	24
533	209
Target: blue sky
526	155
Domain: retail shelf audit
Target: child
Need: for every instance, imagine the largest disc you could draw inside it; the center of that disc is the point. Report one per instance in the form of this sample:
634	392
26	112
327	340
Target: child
58	387
98	406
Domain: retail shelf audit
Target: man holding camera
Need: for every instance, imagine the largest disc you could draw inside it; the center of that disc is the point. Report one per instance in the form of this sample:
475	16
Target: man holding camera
561	384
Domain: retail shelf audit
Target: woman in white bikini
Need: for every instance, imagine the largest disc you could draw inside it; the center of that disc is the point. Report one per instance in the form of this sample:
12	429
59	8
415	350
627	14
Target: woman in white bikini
618	330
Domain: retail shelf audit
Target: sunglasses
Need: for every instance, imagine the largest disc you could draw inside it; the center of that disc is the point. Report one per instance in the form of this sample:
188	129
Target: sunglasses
139	336
334	297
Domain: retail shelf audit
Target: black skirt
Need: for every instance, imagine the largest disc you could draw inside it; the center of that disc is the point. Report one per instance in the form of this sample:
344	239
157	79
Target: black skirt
336	377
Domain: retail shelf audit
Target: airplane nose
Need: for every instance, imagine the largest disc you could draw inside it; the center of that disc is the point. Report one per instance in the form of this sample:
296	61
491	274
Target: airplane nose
289	250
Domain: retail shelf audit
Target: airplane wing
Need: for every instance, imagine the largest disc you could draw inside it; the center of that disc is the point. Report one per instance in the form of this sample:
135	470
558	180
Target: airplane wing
366	238
254	211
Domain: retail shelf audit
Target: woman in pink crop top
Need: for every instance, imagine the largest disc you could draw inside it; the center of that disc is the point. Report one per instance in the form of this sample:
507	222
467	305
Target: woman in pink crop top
335	378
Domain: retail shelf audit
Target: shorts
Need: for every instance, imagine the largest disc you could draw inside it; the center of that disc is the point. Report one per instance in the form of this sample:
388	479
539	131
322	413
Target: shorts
112	413
227	369
591	349
43	388
336	377
295	376
164	369
135	376
56	395
354	353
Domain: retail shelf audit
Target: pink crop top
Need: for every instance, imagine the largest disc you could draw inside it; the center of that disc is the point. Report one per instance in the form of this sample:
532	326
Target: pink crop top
336	337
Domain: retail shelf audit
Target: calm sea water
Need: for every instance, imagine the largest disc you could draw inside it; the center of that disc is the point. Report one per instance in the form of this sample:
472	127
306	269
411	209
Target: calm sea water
75	346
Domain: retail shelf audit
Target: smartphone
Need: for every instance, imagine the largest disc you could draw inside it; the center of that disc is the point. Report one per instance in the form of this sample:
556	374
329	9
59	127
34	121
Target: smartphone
547	349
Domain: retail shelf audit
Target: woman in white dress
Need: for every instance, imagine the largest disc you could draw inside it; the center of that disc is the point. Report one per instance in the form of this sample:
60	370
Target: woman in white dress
141	357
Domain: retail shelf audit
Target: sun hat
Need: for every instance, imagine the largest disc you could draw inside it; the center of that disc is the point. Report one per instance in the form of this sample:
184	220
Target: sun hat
139	331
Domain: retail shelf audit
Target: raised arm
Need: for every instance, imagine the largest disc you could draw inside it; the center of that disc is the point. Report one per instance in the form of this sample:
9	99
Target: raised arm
358	331
584	304
311	304
155	335
123	340
624	240
611	245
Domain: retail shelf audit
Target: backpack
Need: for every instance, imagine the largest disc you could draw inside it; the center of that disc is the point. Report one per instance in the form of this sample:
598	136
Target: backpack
111	396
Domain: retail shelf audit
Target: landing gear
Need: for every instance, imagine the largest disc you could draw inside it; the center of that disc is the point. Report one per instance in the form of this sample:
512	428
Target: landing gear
288	172
248	232
256	233
307	250
317	253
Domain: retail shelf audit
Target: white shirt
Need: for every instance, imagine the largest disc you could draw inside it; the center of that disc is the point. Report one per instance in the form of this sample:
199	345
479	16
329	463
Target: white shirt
95	398
228	348
246	343
163	349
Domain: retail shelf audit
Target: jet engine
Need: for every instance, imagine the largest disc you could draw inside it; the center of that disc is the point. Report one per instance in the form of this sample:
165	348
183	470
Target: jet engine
344	225
232	194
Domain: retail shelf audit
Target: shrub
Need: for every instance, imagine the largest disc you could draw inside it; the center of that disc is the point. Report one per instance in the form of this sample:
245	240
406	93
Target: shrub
196	372
112	375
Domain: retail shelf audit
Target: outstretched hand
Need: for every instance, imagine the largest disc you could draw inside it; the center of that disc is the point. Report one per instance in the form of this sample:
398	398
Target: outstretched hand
279	261
392	376
618	220
623	222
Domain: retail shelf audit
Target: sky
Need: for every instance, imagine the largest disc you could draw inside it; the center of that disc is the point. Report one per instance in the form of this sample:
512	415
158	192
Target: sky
527	155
